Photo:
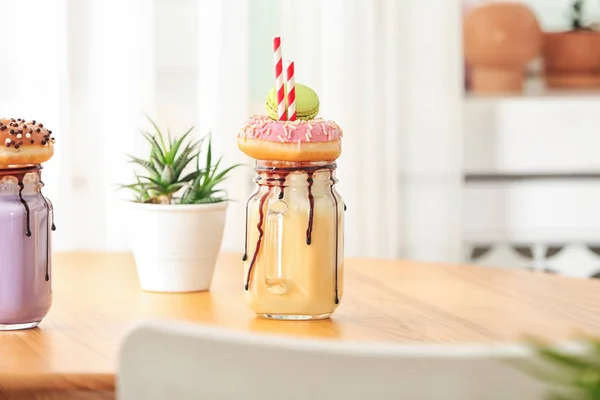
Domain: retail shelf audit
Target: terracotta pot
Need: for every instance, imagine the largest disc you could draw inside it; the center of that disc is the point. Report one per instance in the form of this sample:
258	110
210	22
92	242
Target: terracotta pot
572	59
499	40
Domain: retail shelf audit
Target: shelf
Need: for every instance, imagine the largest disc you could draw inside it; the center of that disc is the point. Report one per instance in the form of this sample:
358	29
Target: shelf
540	132
474	177
536	91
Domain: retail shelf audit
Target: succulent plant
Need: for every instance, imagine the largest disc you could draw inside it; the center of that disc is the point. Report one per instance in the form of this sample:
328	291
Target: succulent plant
164	171
576	16
202	189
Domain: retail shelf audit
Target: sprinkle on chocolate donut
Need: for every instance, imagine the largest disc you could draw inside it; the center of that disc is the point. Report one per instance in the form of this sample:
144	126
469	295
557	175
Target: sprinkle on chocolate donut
24	142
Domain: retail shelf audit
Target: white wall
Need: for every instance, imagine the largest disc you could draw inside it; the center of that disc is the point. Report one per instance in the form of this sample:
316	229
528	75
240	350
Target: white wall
553	15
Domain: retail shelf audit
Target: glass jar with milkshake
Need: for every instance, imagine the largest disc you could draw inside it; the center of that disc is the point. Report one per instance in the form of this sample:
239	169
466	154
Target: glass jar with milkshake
294	249
26	223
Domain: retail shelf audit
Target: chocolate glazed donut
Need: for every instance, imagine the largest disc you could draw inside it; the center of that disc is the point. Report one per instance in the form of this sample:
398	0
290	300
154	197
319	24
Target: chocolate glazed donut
24	143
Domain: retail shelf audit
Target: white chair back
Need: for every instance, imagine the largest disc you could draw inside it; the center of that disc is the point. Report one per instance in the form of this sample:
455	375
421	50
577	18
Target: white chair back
180	361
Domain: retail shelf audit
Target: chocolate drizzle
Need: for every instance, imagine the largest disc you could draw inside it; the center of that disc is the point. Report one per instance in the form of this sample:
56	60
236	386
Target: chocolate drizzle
311	210
28	219
261	232
276	175
269	182
19	174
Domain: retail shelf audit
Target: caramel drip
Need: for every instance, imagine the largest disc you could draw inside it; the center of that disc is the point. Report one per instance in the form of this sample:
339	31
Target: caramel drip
261	232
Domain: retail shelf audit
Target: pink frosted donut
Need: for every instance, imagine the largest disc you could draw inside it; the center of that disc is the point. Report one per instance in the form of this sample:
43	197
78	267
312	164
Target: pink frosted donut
302	140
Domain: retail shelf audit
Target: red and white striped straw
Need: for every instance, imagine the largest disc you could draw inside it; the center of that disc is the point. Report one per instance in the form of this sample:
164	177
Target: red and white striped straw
281	112
291	91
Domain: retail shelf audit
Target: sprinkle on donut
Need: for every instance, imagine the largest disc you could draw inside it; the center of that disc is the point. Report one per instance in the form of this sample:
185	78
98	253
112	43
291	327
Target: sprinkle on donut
264	128
13	131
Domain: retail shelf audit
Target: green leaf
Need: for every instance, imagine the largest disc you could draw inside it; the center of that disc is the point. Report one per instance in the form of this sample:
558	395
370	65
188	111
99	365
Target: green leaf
191	176
168	175
146	164
184	159
209	154
214	169
222	175
158	166
578	374
159	185
164	148
209	200
173	188
563	360
135	186
176	145
156	150
556	396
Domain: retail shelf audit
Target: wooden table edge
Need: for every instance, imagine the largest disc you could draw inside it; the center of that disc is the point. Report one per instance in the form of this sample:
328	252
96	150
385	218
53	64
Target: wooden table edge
102	385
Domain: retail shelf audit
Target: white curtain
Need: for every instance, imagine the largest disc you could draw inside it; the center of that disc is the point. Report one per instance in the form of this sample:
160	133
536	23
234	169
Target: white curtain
34	84
389	72
112	81
85	69
223	98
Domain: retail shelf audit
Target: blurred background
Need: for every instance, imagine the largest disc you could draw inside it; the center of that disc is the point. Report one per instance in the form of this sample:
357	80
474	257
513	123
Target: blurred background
437	164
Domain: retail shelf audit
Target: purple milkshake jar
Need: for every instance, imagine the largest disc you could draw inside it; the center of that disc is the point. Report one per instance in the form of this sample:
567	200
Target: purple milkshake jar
26	225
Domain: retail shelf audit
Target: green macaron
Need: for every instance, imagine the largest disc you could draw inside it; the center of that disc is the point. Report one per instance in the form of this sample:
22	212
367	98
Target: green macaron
307	103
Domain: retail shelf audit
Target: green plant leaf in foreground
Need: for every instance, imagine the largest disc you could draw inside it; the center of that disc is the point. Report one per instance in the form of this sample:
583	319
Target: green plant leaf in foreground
574	376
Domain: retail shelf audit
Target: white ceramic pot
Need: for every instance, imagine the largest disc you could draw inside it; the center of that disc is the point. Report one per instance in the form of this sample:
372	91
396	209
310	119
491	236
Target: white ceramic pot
175	247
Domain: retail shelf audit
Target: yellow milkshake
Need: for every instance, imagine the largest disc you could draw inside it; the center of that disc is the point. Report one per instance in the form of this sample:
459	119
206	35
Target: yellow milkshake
294	257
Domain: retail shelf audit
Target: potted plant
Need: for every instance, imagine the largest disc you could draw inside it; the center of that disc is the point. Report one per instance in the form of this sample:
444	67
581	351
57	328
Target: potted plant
572	58
177	217
499	40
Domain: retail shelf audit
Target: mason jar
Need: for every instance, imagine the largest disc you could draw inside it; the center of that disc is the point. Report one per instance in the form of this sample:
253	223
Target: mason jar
26	222
294	254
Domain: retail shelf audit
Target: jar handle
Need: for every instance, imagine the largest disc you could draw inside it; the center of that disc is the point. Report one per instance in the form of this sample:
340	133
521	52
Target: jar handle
274	269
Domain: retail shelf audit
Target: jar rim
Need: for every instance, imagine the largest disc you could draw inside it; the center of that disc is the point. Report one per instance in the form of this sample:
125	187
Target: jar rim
23	169
292	166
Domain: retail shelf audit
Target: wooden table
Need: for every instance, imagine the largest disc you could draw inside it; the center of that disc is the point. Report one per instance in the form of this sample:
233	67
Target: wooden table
97	299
